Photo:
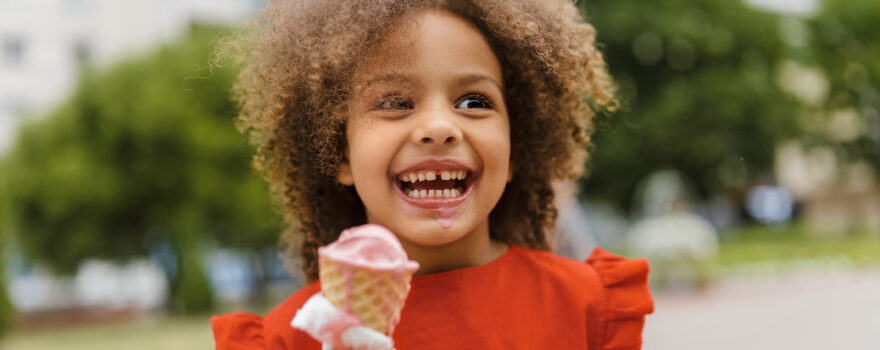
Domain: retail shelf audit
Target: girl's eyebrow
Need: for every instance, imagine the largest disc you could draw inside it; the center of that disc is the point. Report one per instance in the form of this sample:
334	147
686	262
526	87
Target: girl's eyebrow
393	77
472	78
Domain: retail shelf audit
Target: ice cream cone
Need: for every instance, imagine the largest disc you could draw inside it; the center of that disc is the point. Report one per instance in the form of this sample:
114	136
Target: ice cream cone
366	273
376	297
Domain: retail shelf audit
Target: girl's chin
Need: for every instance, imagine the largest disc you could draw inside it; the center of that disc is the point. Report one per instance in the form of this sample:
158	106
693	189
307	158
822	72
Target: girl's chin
429	233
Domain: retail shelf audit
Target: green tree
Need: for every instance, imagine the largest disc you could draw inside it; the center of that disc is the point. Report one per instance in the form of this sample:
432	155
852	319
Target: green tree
843	41
7	312
698	84
142	153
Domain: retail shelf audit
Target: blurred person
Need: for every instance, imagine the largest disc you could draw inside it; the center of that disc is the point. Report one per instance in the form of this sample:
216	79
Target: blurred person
446	122
573	237
680	244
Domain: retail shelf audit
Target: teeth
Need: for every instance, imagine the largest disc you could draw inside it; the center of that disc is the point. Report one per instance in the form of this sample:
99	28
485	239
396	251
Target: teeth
431	175
432	194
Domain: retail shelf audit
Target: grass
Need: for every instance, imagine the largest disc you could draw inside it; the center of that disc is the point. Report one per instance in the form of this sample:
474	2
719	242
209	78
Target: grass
796	242
185	333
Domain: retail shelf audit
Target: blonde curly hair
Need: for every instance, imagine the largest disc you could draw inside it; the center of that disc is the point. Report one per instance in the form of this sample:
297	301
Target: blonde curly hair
297	59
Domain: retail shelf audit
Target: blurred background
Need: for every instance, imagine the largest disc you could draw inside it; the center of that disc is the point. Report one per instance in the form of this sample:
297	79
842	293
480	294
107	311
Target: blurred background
743	164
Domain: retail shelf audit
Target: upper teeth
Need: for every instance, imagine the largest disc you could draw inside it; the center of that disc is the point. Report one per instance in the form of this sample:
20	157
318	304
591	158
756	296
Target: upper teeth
431	175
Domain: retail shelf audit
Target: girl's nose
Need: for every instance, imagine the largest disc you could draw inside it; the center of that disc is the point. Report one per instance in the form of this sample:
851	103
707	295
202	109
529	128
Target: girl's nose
436	128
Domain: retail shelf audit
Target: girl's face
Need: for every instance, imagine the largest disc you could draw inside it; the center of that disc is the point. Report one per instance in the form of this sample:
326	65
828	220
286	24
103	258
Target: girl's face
428	134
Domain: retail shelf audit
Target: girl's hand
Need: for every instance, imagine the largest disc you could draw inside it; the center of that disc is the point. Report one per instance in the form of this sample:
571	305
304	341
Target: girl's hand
336	329
364	338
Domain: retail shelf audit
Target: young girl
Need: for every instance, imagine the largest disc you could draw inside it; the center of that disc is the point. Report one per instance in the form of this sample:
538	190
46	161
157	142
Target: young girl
444	121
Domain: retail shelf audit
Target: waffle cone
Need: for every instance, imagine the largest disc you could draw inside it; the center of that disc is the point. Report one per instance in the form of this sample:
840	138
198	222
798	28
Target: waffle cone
375	296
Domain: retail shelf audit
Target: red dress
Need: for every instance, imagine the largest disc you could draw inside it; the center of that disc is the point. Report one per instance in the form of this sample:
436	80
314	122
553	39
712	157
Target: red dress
525	299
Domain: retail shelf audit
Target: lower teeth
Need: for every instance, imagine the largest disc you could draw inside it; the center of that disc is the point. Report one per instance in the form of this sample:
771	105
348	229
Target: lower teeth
447	193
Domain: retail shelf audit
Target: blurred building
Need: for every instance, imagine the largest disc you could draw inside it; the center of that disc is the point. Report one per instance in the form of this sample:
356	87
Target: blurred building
837	197
44	43
787	7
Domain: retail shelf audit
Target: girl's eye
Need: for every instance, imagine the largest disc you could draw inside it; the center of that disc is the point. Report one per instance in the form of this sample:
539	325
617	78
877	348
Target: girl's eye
474	101
395	102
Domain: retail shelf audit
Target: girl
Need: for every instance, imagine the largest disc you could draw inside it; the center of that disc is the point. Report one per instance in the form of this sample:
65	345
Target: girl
444	121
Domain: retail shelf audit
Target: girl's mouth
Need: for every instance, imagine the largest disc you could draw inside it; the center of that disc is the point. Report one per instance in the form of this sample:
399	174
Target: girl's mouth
435	188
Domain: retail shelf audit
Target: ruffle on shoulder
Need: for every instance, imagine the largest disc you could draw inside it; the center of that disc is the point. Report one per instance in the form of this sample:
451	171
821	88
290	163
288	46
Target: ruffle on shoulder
628	298
238	331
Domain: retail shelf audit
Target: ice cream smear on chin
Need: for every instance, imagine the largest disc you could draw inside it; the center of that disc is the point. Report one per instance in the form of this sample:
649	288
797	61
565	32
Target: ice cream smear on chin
365	278
447	218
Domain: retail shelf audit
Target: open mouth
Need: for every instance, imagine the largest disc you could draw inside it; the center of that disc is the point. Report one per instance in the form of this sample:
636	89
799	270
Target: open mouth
440	184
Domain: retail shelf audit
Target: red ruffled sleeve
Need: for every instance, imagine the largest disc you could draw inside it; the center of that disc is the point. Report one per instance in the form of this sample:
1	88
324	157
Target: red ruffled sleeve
238	331
627	300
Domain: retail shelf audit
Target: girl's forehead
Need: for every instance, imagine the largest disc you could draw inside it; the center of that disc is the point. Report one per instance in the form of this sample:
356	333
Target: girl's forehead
409	40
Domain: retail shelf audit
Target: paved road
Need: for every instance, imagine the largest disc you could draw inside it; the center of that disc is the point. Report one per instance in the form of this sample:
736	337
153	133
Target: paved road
832	309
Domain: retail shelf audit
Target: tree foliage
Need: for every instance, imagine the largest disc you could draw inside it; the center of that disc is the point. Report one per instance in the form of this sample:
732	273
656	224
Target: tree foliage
142	153
7	312
700	86
844	43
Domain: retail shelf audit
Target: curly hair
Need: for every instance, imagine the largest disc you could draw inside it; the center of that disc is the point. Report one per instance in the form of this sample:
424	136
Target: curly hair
298	56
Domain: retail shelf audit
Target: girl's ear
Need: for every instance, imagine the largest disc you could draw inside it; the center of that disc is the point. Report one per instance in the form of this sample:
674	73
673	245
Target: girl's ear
343	174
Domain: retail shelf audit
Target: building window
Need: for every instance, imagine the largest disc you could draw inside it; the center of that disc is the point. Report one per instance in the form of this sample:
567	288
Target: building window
13	51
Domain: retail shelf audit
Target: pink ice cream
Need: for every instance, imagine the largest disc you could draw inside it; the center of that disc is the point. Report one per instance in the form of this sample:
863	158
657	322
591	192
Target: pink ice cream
370	247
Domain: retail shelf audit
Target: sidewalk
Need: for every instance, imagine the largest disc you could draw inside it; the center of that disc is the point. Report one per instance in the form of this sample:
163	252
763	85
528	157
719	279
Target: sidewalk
827	309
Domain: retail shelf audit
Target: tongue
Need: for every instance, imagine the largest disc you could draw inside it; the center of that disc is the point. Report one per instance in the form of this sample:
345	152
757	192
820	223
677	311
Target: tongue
433	185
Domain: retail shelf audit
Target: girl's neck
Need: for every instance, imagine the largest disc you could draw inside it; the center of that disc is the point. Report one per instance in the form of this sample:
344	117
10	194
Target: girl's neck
474	249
